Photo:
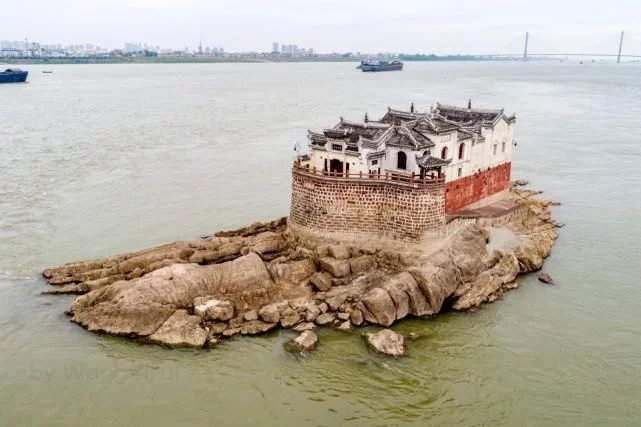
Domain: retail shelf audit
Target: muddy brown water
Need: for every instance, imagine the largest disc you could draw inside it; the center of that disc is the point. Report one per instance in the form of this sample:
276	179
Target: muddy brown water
101	159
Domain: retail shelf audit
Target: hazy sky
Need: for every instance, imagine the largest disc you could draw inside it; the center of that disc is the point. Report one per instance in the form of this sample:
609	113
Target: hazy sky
465	26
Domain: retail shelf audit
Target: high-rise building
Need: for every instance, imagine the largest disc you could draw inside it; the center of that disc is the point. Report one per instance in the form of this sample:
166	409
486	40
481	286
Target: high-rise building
275	47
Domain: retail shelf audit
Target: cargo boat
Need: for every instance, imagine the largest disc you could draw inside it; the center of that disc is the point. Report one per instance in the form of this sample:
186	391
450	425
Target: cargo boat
13	75
373	66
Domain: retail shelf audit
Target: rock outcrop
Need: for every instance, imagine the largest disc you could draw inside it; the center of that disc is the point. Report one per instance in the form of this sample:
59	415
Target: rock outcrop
251	280
387	342
306	341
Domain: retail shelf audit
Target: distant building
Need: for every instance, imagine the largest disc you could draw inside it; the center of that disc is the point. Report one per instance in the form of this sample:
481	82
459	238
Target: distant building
275	47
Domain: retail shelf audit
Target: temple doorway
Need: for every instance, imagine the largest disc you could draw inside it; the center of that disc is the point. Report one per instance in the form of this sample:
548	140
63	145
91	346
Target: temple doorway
336	166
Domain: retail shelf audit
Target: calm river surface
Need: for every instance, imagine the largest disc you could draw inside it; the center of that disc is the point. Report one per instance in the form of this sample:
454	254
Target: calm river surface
101	159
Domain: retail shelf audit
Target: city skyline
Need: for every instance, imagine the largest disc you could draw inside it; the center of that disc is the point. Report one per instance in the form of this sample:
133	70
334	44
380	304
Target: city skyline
328	25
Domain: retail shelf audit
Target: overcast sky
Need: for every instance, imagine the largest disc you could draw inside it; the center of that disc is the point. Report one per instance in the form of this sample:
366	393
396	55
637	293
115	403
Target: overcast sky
464	26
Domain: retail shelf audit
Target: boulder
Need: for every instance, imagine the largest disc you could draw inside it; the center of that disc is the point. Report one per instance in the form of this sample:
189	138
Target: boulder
180	330
338	251
334	302
213	309
381	306
289	317
387	342
216	328
362	264
251	315
305	326
254	327
546	278
356	317
306	341
312	313
342	316
336	267
325	319
321	281
346	326
271	312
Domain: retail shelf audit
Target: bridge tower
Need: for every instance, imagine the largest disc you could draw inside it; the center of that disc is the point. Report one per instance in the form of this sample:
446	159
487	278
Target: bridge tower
527	37
620	48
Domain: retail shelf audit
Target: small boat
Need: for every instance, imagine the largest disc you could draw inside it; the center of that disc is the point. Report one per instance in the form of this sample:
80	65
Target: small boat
47	72
374	66
13	75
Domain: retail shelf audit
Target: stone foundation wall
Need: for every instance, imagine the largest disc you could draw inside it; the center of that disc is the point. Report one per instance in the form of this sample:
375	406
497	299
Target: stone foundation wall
366	207
469	190
517	214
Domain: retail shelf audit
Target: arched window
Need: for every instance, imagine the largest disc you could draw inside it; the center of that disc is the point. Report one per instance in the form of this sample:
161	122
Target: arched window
461	151
401	161
444	153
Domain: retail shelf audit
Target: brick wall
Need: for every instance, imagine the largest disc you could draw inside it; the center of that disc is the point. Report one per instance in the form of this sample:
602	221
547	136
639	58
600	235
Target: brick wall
471	189
382	209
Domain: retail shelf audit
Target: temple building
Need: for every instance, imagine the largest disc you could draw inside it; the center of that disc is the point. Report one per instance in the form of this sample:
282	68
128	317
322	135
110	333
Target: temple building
470	149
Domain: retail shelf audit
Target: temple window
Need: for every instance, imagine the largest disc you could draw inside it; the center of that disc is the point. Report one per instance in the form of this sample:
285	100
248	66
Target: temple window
337	147
401	161
461	151
444	153
495	149
375	162
503	147
460	171
427	152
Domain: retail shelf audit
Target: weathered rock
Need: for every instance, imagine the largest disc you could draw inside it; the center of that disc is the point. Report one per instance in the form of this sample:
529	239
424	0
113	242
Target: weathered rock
334	302
323	307
251	315
342	316
312	313
271	312
325	319
362	264
356	317
545	278
306	326
335	267
345	326
520	182
213	309
216	328
231	332
387	342
488	283
254	327
306	341
379	303
289	317
180	330
339	251
321	281
140	306
400	298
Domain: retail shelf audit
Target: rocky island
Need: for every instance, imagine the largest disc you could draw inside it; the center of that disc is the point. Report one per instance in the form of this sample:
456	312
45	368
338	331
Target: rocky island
377	250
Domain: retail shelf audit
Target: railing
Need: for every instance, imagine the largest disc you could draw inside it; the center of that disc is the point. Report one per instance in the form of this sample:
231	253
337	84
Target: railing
389	176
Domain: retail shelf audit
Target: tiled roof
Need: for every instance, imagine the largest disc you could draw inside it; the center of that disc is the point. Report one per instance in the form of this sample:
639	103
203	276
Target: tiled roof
426	161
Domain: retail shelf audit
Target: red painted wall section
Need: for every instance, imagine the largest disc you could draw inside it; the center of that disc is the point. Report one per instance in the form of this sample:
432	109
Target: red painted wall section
470	189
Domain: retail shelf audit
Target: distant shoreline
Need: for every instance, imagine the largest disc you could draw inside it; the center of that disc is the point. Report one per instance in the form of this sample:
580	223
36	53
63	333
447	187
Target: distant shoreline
214	60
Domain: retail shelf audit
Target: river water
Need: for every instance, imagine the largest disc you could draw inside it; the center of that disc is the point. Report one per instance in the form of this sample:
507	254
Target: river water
102	159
